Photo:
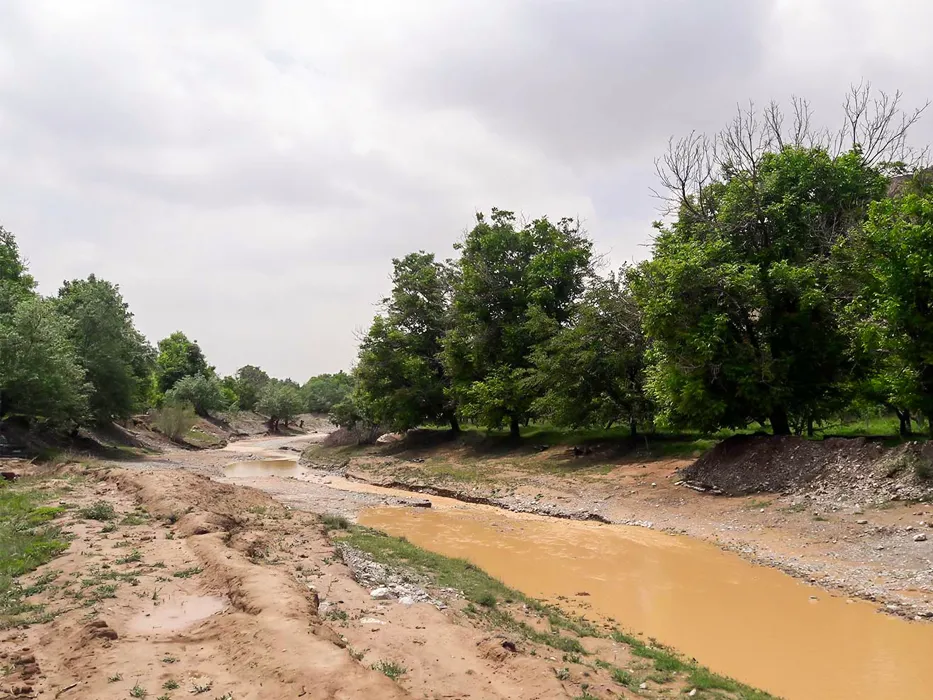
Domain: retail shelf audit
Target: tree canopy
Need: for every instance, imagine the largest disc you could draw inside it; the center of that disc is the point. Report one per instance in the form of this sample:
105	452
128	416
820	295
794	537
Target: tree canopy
179	357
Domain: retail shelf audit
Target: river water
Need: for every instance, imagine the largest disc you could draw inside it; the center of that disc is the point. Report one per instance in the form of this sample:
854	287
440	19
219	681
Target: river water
750	622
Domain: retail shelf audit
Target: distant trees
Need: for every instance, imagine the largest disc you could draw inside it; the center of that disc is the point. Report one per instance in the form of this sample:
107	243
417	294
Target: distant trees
324	391
281	401
248	384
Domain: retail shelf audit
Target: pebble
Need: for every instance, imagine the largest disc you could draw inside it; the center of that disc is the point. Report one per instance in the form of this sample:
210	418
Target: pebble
861	522
381	593
643	686
920	538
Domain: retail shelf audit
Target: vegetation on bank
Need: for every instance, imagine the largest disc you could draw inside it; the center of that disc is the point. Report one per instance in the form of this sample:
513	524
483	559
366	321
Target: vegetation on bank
491	602
790	287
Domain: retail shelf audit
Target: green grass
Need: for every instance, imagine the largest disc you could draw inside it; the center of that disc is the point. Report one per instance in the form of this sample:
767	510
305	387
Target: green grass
390	669
334	522
188	573
28	539
100	510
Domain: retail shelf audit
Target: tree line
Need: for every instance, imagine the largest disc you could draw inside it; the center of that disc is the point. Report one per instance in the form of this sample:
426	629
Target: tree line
790	281
77	359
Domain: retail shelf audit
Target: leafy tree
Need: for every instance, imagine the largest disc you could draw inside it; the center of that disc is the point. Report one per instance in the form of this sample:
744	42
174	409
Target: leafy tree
892	303
41	376
203	393
116	357
514	285
248	384
324	391
16	283
592	371
401	380
281	401
179	357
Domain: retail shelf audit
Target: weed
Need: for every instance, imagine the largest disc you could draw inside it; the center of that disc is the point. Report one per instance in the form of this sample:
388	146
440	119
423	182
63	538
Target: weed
188	573
137	691
164	696
170	684
197	688
133	519
487	599
334	522
109	527
357	655
337	614
170	535
115	678
390	669
563	674
100	510
169	660
624	678
572	658
131	558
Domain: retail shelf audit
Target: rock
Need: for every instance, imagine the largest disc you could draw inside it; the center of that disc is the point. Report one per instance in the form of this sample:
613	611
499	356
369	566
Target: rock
381	593
371	621
861	522
643	686
692	693
406	600
920	538
389	438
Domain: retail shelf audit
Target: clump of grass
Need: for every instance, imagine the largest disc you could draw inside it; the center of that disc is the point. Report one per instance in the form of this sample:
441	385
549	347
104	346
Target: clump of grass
169	660
563	674
487	599
624	678
199	688
335	522
390	669
99	510
115	678
131	558
188	573
170	684
137	691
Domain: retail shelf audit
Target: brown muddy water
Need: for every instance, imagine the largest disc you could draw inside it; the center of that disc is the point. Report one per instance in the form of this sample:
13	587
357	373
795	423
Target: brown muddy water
169	617
264	467
750	622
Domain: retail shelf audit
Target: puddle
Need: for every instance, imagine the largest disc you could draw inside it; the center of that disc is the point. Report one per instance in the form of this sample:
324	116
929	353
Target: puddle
264	467
177	615
750	622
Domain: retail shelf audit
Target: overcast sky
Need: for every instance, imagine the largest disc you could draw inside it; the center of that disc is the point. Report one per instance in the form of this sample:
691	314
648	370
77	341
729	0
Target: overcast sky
246	169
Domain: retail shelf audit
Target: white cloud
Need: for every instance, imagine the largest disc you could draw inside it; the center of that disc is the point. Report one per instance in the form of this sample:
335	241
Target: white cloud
246	169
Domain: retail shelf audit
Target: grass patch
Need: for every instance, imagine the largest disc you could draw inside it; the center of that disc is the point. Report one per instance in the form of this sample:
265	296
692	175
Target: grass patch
28	540
100	510
390	669
335	522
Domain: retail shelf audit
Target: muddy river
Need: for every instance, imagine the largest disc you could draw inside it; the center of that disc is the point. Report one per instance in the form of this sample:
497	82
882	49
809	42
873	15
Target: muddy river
751	622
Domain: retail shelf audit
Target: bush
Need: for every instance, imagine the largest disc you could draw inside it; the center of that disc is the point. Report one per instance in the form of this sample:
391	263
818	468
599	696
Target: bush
175	420
203	393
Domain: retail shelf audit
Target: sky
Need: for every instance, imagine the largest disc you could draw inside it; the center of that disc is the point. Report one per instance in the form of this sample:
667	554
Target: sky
246	170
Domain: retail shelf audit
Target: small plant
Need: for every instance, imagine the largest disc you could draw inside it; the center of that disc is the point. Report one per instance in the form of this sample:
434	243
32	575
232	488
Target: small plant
572	658
109	527
624	678
487	599
137	691
169	660
170	684
164	696
334	522
337	614
131	558
563	674
198	688
170	535
357	655
390	669
188	573
115	678
100	510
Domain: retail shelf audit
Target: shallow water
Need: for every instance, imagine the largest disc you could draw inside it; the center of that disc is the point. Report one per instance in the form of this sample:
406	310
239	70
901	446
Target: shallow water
176	615
751	622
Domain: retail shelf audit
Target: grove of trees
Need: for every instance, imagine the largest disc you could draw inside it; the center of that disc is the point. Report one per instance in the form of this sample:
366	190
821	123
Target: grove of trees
790	281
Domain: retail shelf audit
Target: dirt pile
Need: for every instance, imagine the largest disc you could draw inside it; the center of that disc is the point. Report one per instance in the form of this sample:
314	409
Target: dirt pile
836	469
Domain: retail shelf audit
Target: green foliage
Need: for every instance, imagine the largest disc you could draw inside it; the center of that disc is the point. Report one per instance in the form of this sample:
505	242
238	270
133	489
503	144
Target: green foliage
100	510
324	391
41	376
401	381
117	359
175	420
179	357
202	392
891	306
591	372
737	303
16	284
281	401
513	286
248	382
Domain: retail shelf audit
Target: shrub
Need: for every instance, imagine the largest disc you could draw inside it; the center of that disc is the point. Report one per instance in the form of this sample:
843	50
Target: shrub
175	420
201	392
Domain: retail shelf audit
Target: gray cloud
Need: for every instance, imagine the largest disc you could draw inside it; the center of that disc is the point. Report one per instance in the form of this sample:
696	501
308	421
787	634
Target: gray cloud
246	169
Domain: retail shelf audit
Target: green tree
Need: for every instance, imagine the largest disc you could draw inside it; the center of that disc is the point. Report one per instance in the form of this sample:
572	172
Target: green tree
514	286
116	357
324	391
891	259
248	384
179	357
592	372
281	401
41	376
203	393
16	283
401	380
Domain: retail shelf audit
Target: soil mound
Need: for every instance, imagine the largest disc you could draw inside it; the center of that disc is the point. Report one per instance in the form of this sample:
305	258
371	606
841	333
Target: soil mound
851	469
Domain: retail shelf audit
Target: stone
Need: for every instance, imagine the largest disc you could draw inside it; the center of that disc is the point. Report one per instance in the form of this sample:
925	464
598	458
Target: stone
692	693
861	522
381	593
643	686
920	538
371	621
406	600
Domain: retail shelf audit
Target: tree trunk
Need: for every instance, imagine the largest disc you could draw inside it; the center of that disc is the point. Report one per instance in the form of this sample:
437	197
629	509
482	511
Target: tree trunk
4	404
809	427
514	427
904	418
780	425
454	423
633	428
